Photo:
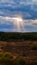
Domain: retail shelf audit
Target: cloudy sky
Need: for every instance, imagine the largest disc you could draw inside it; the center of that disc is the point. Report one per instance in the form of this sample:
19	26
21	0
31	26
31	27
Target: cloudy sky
18	15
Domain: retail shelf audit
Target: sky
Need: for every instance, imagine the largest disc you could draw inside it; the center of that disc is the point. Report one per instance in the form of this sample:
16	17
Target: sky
18	15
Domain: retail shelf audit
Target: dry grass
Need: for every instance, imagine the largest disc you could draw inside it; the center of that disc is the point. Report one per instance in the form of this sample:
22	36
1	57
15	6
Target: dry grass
20	48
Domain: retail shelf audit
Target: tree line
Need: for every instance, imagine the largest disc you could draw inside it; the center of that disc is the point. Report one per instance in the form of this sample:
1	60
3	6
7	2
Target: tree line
14	36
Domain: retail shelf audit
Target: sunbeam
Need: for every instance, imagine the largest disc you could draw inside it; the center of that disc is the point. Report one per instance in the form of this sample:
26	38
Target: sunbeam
19	23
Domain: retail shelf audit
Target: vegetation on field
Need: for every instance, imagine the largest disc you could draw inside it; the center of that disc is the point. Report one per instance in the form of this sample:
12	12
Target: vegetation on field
17	36
6	58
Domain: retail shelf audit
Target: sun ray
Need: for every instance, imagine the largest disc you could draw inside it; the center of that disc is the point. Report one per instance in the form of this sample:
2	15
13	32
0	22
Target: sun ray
18	21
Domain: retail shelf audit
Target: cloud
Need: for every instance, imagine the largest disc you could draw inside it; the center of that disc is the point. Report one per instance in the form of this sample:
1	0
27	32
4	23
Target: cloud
34	22
6	1
17	23
19	2
26	9
8	19
7	30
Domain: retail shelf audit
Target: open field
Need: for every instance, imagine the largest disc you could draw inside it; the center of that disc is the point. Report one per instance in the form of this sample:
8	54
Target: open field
18	46
26	49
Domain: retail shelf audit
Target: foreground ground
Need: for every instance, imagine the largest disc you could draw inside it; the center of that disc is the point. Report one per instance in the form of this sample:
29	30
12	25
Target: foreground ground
26	49
18	48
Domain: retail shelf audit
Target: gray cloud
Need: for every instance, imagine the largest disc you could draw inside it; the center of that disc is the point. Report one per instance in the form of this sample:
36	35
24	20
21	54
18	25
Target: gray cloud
27	9
12	25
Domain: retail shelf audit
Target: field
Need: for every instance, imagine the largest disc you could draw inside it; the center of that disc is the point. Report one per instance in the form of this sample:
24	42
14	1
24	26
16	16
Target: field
20	48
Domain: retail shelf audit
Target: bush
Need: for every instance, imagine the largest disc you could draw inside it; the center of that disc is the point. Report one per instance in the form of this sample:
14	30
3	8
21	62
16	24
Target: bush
6	58
20	61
